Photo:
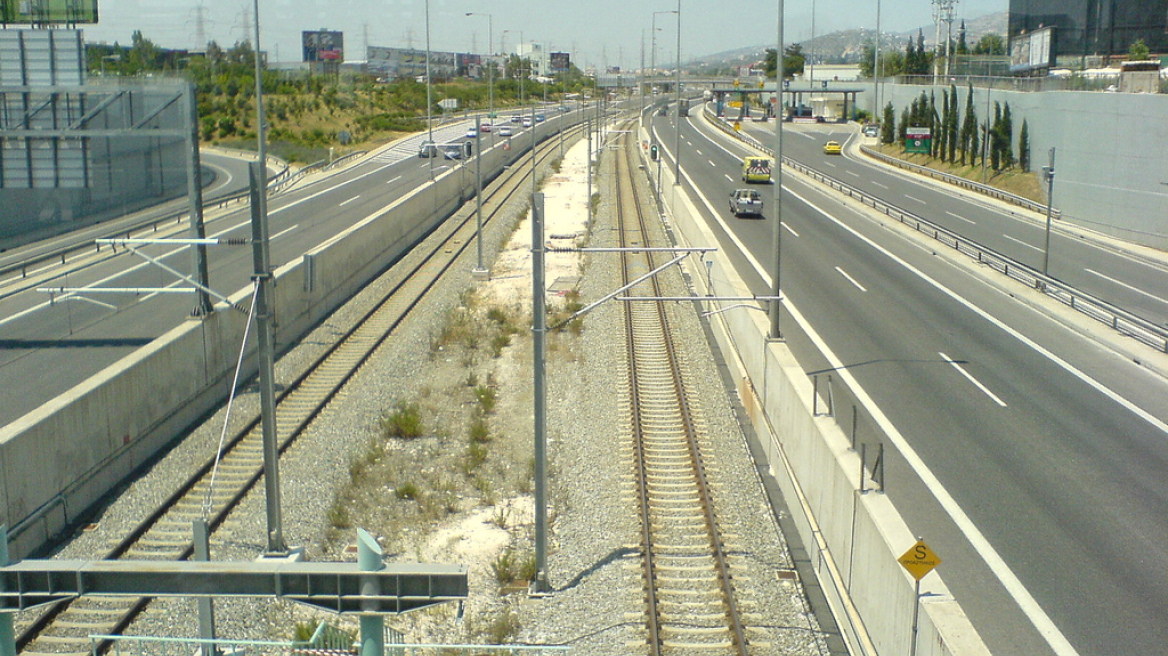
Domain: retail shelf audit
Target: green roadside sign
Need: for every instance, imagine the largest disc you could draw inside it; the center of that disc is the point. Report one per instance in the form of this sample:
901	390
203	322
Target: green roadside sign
918	140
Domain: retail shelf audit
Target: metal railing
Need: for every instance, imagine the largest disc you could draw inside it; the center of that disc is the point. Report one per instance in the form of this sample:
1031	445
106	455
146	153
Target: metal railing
1120	320
964	183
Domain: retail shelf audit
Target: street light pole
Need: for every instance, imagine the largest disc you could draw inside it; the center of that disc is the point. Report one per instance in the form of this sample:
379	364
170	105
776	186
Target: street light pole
490	67
777	175
677	135
429	91
1048	173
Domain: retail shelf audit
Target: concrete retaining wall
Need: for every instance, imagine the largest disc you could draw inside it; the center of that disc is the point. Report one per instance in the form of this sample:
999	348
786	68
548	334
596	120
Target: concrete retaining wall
1110	171
853	540
61	458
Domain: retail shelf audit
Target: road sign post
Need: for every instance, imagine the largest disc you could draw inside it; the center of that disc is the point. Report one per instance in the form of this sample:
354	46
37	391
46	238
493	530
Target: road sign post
919	560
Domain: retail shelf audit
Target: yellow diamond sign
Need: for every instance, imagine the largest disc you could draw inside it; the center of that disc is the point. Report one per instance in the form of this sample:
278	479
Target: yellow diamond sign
919	560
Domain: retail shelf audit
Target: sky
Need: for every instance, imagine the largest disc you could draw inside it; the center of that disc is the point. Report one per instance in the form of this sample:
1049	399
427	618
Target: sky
596	32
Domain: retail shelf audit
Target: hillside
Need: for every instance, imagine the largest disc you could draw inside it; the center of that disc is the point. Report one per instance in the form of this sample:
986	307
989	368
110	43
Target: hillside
847	46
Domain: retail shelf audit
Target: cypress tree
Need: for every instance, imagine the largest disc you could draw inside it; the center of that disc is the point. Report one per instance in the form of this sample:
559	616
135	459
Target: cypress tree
1024	147
934	123
1007	137
942	138
995	137
969	131
888	125
951	139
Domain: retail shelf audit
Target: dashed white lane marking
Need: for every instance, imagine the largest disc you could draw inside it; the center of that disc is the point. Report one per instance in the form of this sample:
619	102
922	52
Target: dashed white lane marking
1124	284
1019	241
973	380
851	279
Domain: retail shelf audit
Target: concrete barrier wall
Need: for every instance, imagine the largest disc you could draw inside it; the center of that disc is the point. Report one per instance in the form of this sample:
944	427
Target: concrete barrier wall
1109	169
96	434
853	539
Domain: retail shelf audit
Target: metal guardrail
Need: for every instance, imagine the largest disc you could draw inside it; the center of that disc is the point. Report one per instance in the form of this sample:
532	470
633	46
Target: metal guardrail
1120	320
964	183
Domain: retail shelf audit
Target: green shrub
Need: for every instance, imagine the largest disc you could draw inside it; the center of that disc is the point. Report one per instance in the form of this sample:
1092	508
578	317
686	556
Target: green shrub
480	432
407	491
405	421
486	398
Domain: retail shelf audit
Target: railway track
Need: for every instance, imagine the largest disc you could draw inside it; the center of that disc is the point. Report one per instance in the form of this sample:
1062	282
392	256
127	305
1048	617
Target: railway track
165	534
689	593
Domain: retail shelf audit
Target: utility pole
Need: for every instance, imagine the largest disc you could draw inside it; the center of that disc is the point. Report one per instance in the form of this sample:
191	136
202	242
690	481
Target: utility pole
266	345
777	179
1048	173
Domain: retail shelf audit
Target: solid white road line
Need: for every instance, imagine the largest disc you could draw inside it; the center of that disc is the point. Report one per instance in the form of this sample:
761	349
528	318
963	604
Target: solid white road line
1037	616
973	380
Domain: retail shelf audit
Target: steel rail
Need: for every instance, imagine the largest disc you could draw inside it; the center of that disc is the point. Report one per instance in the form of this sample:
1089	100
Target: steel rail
659	352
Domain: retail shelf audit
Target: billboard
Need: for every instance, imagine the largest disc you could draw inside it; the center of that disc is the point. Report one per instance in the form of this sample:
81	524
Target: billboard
39	12
323	46
1033	51
560	62
408	62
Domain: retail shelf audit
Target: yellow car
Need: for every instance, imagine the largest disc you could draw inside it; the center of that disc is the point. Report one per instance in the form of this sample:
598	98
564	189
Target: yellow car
832	148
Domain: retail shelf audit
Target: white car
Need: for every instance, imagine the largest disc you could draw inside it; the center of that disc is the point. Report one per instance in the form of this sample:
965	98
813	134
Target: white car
470	133
526	122
504	131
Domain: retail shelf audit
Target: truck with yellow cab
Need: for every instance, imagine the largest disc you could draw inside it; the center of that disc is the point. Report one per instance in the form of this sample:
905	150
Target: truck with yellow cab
756	169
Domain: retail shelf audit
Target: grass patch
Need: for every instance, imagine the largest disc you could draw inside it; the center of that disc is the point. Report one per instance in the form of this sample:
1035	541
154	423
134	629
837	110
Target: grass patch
1014	180
480	432
485	395
558	314
407	491
405	421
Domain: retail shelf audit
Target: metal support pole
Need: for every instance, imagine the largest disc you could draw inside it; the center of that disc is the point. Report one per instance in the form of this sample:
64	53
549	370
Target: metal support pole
479	270
916	616
539	352
266	342
203	305
534	184
206	608
429	92
777	176
588	200
7	631
261	123
877	111
677	136
372	624
1048	171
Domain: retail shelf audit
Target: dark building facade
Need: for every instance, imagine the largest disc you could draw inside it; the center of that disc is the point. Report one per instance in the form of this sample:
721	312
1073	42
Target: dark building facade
1093	32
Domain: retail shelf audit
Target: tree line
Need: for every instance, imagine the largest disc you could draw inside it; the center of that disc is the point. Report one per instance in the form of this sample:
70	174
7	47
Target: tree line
959	138
916	60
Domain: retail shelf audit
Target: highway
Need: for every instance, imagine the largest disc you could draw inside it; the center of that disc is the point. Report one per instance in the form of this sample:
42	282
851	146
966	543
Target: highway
1048	449
49	345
